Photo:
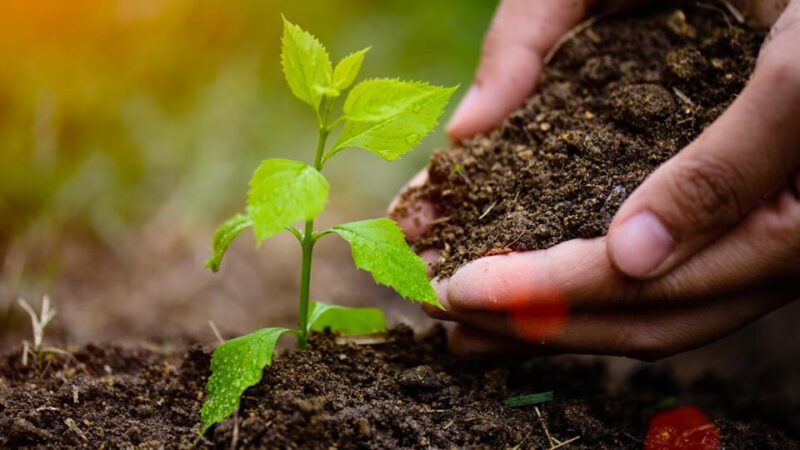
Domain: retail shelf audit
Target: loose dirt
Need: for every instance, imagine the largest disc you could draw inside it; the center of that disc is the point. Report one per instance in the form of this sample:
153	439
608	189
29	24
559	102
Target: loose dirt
403	393
617	100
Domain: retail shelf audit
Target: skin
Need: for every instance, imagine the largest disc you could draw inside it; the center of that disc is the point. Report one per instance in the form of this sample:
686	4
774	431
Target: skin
707	244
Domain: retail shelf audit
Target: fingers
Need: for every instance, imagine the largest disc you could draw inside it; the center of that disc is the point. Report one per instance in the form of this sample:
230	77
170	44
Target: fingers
642	334
521	33
472	342
715	181
413	219
578	274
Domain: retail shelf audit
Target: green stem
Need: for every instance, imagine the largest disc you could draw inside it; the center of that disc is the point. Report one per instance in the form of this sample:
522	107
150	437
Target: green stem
308	249
305	283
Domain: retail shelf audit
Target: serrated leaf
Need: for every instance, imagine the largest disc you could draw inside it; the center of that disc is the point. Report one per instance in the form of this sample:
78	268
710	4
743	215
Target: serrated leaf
344	320
223	238
305	62
282	192
390	117
347	69
235	366
379	247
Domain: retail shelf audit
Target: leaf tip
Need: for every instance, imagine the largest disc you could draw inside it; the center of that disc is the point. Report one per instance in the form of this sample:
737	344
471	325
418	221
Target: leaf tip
212	264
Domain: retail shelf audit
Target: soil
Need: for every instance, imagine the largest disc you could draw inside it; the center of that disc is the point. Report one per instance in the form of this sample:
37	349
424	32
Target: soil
617	100
401	393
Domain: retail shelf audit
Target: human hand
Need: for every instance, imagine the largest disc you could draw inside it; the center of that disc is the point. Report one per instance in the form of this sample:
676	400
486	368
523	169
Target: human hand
707	244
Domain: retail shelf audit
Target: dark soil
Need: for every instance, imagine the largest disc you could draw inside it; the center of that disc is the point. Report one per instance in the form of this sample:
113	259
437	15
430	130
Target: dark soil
618	100
400	393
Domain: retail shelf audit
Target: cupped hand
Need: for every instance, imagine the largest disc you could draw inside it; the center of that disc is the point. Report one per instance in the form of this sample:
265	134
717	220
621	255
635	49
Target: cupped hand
707	244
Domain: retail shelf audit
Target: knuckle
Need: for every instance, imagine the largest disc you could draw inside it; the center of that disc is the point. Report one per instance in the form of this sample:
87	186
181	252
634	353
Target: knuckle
781	223
705	192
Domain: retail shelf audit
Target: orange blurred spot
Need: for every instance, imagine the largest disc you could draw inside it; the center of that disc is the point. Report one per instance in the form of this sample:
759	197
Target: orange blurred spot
537	311
682	428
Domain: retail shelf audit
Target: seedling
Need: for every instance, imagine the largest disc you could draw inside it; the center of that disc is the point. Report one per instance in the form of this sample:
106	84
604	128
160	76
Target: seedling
387	117
39	322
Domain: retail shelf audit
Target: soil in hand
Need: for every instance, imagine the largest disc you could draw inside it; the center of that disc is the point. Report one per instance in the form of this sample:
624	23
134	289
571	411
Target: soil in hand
401	393
618	99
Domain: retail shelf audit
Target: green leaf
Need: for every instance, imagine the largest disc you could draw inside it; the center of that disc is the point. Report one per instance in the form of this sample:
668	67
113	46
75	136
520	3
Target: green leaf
305	63
390	117
235	366
347	69
282	192
379	247
527	400
223	238
341	319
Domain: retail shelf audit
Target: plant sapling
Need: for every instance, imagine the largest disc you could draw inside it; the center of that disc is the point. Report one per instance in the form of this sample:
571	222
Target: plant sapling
387	117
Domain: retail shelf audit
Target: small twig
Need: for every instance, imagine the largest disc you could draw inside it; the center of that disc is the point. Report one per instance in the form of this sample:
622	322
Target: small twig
544	426
216	331
714	8
571	34
631	437
683	97
567	442
734	11
235	434
429	411
487	211
516	447
74	428
448	424
439	220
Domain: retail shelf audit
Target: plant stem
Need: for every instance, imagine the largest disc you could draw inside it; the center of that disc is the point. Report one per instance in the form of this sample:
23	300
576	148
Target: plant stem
308	249
305	283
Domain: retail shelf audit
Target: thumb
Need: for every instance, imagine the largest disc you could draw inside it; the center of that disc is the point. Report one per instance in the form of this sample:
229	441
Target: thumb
750	151
520	35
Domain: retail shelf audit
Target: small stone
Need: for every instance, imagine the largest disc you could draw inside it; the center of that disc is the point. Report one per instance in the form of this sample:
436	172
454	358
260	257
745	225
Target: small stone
420	377
544	126
364	428
677	24
525	155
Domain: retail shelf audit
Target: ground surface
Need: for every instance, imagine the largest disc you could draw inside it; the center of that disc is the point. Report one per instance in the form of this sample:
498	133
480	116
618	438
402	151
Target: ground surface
399	393
617	101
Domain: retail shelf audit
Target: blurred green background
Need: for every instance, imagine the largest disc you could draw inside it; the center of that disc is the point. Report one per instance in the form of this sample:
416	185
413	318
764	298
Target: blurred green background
115	114
112	110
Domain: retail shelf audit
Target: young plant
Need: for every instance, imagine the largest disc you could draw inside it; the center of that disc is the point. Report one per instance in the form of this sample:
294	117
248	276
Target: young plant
387	117
39	323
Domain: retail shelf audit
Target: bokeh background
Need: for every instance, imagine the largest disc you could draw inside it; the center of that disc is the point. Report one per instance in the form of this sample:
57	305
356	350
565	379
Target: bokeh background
129	129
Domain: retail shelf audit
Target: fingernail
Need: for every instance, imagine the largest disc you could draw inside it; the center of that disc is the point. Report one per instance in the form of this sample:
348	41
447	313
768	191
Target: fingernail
462	110
641	245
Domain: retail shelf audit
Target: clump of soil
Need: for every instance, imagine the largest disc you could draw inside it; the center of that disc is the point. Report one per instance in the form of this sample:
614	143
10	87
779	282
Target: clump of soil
617	100
402	393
